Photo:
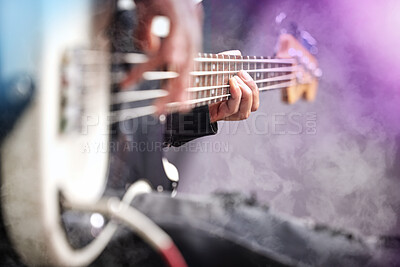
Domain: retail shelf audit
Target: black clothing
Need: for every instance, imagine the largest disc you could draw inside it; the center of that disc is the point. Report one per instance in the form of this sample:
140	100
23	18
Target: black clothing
182	128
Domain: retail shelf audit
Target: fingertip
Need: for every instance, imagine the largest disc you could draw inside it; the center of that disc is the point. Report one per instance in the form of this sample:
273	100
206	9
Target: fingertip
233	82
245	89
235	89
254	108
245	75
231	53
160	107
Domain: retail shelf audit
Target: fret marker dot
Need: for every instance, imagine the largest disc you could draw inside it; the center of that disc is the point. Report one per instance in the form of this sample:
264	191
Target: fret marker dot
197	80
258	75
213	66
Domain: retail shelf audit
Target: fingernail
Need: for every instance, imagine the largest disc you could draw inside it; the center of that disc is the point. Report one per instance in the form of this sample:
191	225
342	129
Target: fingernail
234	81
239	80
245	75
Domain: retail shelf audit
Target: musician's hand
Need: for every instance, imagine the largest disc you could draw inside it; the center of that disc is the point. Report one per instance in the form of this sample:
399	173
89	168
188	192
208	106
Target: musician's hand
244	99
177	50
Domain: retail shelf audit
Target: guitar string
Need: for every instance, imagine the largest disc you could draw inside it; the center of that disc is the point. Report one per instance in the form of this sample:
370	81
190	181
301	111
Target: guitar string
127	114
92	58
160	75
272	79
288	61
137	58
242	60
130	96
278	69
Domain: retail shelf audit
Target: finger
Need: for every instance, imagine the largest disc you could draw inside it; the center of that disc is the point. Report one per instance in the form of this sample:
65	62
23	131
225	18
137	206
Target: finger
236	94
230	107
177	89
180	61
231	52
213	110
143	37
245	103
254	89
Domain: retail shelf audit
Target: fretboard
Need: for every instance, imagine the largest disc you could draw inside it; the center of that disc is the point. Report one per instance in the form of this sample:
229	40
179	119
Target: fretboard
209	81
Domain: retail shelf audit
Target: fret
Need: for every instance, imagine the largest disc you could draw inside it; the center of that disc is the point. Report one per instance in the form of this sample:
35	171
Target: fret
222	90
217	81
258	67
251	71
235	64
211	80
226	79
274	73
266	74
262	74
254	68
207	78
274	60
251	67
200	80
205	92
232	65
269	73
216	77
246	63
223	75
229	69
220	79
194	81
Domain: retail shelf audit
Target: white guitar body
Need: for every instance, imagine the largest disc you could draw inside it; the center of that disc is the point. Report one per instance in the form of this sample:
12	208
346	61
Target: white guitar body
40	159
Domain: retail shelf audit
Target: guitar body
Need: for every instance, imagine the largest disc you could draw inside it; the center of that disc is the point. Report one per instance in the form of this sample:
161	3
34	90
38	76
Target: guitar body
43	152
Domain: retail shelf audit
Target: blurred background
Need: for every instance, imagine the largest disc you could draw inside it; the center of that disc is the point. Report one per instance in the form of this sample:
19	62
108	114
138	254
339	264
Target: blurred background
336	160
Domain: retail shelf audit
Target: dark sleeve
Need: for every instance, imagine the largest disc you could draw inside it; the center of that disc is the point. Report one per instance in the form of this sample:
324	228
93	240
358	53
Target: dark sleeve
184	127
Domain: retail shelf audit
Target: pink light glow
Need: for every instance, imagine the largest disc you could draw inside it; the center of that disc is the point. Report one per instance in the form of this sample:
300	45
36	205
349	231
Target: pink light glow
375	28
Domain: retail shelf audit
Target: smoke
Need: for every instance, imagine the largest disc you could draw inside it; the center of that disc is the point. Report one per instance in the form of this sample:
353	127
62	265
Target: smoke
346	172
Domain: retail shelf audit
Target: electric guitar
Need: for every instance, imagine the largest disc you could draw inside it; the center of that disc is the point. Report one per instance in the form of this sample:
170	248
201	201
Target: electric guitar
56	103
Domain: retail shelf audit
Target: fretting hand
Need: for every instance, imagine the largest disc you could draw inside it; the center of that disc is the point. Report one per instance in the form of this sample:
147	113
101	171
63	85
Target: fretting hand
176	51
244	98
